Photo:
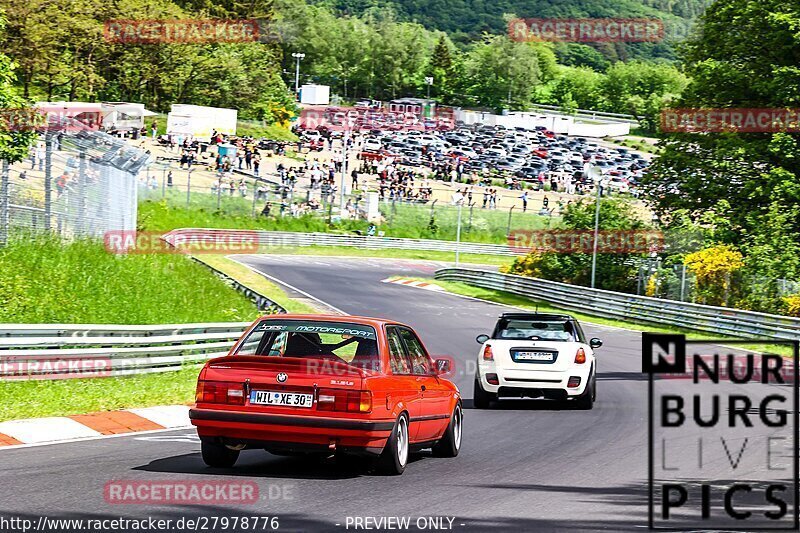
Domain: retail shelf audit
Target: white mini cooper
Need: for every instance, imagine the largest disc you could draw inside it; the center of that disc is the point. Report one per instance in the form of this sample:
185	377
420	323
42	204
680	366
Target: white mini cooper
536	355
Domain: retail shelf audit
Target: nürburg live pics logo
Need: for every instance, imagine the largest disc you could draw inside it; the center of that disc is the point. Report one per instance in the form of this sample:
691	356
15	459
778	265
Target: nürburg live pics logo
723	433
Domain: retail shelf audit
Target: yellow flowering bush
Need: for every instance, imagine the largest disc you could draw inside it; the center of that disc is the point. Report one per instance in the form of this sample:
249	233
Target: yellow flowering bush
712	268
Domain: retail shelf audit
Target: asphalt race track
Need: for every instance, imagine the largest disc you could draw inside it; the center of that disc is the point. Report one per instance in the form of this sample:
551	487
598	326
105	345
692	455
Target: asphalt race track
524	466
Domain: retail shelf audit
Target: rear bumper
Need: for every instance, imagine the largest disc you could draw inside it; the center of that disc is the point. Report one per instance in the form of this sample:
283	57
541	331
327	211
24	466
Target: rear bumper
514	382
291	432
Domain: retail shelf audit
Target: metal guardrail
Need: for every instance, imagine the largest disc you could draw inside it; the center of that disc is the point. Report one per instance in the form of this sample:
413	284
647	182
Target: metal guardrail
55	351
722	320
45	351
586	113
286	239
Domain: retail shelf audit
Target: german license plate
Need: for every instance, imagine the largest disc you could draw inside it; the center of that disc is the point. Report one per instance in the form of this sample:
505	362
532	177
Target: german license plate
533	356
285	399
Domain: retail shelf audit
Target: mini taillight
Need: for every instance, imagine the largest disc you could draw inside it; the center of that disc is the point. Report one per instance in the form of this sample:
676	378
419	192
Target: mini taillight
344	400
492	379
220	392
487	353
580	356
574	382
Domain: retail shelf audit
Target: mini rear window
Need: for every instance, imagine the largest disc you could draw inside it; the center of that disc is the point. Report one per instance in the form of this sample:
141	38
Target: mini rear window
545	330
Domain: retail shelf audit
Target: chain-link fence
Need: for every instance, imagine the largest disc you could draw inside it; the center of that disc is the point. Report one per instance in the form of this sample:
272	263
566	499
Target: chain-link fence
76	182
302	207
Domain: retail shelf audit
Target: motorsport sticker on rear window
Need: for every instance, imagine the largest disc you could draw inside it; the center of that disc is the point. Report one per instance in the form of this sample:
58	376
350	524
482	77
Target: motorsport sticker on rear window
336	328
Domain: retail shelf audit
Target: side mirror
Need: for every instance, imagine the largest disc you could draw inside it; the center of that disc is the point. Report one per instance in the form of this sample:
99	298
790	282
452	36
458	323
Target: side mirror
595	343
443	366
482	338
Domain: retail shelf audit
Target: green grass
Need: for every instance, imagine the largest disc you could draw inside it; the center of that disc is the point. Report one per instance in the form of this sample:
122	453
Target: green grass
45	280
82	283
166	215
255	128
636	144
344	251
38	398
485	226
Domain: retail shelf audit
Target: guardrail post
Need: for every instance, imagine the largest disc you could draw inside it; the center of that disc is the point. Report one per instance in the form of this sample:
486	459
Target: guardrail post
255	195
48	180
188	187
683	281
219	190
80	223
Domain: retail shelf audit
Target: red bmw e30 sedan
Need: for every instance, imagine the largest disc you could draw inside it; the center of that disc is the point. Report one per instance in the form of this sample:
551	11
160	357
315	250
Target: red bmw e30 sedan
295	384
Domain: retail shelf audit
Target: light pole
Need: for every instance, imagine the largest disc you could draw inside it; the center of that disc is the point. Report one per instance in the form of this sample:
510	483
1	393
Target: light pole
345	141
298	56
458	231
596	174
429	82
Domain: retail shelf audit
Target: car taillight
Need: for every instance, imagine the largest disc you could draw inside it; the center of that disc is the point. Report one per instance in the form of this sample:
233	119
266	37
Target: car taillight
487	353
580	356
229	392
344	400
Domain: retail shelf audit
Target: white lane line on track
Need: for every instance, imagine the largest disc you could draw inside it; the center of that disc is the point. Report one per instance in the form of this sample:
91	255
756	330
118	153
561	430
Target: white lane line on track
291	287
82	439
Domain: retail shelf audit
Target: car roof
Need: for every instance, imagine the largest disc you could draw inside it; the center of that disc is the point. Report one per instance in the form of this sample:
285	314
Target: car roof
536	316
368	321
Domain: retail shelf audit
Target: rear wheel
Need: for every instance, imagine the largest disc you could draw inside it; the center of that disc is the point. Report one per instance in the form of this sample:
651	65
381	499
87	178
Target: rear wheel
218	455
394	458
450	443
586	400
481	398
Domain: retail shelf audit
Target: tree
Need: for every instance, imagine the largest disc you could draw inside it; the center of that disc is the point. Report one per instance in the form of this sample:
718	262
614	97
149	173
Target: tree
14	143
504	74
614	271
746	55
442	68
581	85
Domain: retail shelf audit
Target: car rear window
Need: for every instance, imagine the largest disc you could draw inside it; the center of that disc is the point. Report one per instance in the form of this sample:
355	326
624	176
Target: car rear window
355	344
545	330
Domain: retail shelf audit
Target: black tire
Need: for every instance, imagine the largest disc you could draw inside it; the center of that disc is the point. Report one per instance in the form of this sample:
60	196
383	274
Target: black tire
394	458
481	398
450	443
586	400
218	455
